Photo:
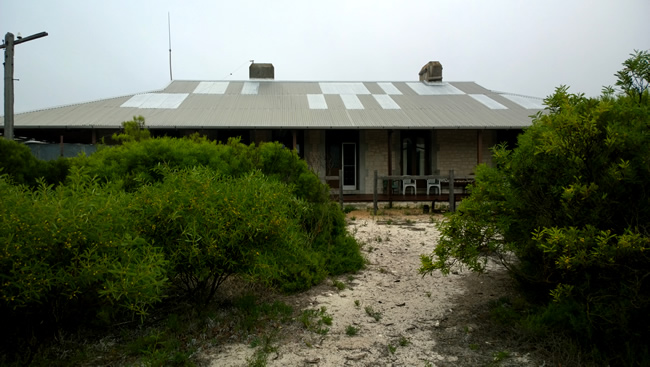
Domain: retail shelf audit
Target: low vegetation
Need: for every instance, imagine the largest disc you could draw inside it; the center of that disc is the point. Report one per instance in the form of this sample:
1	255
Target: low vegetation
156	224
567	212
316	320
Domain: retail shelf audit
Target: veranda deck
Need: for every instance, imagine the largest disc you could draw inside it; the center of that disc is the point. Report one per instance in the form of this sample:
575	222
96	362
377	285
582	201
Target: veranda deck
362	198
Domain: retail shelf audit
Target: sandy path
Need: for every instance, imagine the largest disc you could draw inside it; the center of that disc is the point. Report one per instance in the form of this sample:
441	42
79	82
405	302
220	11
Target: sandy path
424	321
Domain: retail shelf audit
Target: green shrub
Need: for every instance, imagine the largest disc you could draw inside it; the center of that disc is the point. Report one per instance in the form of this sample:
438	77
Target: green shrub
326	223
327	249
211	227
71	254
132	130
135	163
18	162
135	222
570	204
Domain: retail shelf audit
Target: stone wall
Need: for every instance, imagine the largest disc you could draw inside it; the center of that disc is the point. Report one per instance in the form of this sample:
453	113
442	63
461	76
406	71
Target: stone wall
457	151
375	157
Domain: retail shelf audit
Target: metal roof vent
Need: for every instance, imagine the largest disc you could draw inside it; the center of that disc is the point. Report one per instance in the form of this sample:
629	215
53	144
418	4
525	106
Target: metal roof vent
261	71
431	72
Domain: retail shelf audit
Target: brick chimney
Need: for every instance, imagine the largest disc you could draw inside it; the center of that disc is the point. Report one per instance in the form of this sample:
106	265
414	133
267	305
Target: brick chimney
431	72
261	71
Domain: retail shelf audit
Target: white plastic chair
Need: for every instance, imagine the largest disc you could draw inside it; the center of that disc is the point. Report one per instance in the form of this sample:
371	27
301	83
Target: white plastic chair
408	183
435	183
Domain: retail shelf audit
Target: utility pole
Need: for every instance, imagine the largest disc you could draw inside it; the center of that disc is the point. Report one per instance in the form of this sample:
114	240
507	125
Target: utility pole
8	45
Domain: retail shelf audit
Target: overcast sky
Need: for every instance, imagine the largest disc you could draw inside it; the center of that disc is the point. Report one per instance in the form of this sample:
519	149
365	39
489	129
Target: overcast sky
102	49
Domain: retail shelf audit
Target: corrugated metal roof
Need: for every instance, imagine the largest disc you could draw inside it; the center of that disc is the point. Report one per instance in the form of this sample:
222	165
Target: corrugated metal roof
317	105
211	88
431	89
317	101
524	101
389	88
343	88
156	100
488	102
386	102
351	102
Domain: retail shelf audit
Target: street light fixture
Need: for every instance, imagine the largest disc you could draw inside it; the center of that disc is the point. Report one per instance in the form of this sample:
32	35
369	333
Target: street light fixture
9	78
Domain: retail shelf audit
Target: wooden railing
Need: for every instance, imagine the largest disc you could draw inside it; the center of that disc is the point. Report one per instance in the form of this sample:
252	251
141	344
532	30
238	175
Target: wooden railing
450	179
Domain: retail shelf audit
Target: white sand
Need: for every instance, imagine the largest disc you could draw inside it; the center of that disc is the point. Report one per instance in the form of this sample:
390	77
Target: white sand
426	321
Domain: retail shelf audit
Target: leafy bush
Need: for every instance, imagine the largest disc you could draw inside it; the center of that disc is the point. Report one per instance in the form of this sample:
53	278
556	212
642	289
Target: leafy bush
132	130
330	249
211	226
71	253
132	221
134	163
568	213
18	162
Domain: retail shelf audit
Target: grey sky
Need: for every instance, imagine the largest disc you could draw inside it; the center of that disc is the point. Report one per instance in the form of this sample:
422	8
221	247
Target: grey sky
101	49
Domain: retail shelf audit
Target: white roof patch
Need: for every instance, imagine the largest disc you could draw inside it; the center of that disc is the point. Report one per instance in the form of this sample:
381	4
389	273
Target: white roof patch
434	89
386	102
389	88
352	102
211	88
529	103
488	102
343	88
250	88
156	100
316	102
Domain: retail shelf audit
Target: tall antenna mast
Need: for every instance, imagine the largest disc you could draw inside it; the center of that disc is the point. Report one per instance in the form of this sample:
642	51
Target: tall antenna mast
169	29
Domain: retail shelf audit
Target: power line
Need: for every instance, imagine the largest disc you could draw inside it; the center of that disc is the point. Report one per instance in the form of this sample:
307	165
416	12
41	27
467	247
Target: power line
236	70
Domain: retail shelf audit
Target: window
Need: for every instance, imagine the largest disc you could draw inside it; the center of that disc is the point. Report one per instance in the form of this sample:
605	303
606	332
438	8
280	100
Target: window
415	153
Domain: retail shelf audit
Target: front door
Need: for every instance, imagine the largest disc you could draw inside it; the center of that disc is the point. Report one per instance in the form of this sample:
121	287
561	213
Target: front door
349	163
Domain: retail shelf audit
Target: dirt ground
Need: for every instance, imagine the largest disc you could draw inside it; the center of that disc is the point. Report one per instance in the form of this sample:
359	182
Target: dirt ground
402	318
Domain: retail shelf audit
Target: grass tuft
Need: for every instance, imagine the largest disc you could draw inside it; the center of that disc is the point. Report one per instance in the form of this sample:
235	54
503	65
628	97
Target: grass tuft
351	330
372	313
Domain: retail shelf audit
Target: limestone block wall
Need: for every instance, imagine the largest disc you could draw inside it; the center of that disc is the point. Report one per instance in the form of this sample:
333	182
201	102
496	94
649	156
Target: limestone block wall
456	150
374	156
374	149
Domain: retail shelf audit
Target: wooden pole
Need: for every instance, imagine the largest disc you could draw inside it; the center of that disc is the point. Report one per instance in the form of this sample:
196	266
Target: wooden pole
479	147
9	78
9	86
452	199
341	188
390	170
374	195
